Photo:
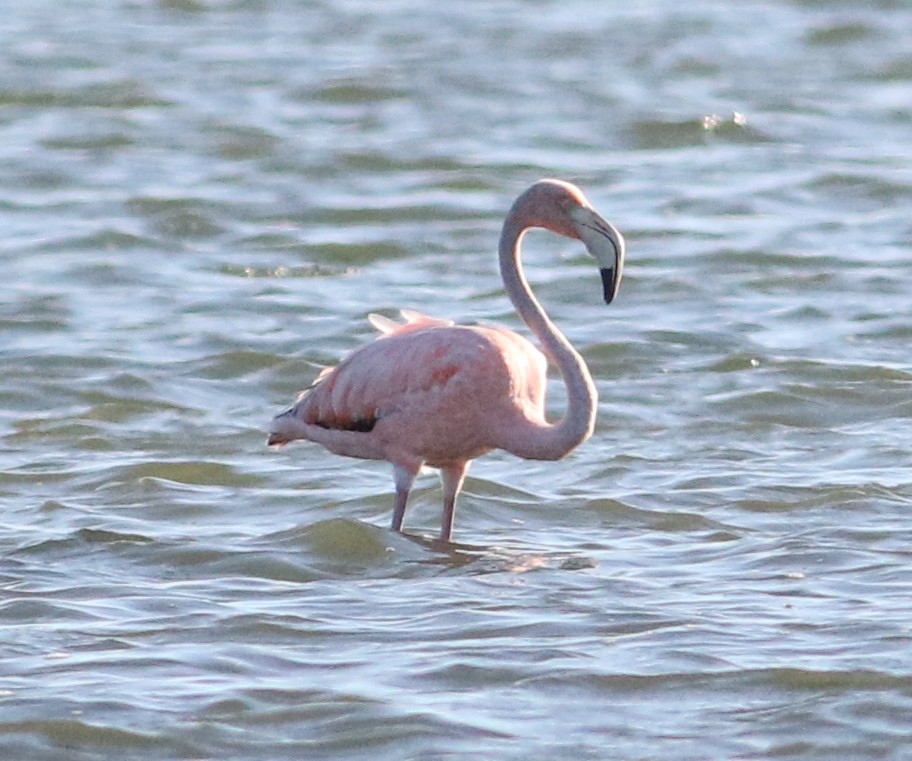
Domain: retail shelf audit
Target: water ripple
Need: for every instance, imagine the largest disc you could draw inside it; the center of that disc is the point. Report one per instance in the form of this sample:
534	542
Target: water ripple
204	200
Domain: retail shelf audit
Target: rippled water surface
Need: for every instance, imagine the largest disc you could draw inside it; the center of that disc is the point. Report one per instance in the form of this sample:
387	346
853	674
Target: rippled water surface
201	202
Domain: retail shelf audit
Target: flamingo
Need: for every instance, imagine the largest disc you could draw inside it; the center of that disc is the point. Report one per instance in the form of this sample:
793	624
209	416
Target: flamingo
432	393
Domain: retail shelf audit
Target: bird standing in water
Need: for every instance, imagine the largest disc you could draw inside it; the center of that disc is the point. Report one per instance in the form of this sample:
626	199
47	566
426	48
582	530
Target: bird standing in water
429	392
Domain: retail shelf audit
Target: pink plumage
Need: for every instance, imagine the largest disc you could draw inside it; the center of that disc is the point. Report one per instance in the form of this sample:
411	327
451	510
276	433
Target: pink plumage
428	392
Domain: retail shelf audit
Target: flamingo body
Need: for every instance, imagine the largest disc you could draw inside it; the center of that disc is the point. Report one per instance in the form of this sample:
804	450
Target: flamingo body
428	392
447	390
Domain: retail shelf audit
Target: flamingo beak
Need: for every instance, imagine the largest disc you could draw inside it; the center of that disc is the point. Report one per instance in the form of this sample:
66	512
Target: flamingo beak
610	281
605	242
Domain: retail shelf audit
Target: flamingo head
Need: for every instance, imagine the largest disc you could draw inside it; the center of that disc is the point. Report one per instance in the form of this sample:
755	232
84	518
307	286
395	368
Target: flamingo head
562	208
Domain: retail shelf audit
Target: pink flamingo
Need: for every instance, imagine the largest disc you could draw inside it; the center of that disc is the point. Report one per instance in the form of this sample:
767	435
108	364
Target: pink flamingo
429	392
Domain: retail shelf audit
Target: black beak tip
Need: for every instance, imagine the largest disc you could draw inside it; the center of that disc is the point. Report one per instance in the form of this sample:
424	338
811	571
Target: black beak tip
609	283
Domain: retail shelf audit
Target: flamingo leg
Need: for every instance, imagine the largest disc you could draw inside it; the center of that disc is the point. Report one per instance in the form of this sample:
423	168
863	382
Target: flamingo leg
405	477
452	476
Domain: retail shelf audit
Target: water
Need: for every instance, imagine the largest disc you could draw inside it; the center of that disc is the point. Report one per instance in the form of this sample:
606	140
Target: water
203	199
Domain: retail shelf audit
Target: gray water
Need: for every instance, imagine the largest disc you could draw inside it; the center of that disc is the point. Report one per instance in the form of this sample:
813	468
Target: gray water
201	202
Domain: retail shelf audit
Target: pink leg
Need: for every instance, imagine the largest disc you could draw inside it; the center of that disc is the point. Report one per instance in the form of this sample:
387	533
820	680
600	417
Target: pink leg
405	477
453	476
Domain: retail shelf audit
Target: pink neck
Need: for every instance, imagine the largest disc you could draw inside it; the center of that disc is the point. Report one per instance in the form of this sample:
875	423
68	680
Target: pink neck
550	442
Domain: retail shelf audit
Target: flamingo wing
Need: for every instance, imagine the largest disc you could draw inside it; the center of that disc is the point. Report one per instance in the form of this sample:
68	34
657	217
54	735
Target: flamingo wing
393	373
413	321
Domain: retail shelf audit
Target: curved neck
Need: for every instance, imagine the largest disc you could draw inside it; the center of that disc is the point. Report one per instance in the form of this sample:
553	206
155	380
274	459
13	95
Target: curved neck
544	441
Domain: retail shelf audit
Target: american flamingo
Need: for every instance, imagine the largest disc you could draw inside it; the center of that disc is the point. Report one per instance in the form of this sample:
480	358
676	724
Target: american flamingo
429	392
